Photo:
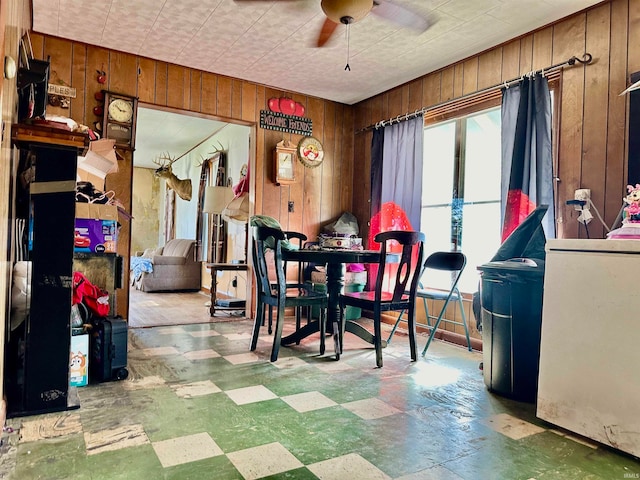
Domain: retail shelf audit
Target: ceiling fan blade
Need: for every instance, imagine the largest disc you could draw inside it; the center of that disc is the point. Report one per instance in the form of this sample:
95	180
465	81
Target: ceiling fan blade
328	27
400	15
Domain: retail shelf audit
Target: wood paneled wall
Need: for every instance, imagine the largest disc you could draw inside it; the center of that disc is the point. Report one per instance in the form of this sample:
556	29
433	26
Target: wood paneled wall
592	135
320	195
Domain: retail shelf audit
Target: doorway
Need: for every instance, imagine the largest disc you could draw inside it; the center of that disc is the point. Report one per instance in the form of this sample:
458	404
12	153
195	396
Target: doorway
190	144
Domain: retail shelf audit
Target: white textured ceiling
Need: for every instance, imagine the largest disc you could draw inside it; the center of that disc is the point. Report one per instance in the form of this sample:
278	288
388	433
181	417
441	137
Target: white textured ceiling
271	42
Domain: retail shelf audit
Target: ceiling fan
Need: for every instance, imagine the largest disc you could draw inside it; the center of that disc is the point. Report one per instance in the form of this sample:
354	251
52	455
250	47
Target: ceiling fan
347	12
352	11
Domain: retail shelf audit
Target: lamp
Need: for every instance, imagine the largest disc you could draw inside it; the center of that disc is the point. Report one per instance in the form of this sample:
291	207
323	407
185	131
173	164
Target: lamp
237	210
215	201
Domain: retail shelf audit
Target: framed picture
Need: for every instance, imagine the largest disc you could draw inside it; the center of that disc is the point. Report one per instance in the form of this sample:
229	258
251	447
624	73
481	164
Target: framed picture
284	163
310	152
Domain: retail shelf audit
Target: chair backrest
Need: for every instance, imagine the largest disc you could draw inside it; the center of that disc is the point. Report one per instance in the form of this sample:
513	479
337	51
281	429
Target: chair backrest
408	269
447	261
263	239
297	239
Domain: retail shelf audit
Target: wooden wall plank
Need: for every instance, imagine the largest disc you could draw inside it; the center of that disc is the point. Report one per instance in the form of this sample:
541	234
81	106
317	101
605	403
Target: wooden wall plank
616	175
397	102
526	54
195	89
634	36
123	73
208	95
470	76
249	112
223	97
60	52
236	98
431	89
458	80
97	59
511	61
542	49
415	96
257	171
446	84
568	38
146	80
162	82
175	86
79	82
596	99
489	68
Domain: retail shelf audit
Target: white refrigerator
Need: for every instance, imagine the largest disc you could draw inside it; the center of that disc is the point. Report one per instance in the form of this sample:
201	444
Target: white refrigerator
589	378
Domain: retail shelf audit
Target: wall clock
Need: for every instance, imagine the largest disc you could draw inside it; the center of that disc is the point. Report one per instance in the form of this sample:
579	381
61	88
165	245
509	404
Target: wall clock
284	163
310	152
119	119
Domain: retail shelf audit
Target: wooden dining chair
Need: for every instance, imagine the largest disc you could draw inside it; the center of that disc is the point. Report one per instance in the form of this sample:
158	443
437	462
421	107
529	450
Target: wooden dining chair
398	294
276	294
297	239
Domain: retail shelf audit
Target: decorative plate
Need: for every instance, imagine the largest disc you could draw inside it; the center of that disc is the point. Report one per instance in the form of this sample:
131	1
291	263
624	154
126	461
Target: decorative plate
310	152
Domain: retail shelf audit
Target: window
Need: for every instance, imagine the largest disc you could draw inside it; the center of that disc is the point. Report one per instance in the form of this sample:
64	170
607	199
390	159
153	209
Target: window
461	191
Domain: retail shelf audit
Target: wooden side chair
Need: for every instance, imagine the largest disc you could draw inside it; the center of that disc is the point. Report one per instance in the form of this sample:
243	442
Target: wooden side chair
400	292
276	294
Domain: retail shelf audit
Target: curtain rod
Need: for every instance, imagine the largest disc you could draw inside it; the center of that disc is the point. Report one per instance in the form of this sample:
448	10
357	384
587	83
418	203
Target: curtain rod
586	60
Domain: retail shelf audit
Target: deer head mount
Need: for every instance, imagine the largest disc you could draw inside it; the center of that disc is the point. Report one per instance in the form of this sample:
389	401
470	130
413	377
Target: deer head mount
181	187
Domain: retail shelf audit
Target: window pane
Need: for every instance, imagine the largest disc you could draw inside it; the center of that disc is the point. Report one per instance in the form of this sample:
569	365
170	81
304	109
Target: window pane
437	176
482	161
480	240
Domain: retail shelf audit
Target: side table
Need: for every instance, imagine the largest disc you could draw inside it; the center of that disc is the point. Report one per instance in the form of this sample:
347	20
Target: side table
215	268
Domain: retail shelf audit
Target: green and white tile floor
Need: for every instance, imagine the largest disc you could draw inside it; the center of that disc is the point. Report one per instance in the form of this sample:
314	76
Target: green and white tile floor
199	405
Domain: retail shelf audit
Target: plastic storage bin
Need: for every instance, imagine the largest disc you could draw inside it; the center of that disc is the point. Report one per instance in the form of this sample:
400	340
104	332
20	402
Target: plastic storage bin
511	299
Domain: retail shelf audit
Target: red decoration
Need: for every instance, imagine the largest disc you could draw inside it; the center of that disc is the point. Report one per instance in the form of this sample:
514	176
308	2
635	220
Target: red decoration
274	105
287	106
102	76
99	96
98	110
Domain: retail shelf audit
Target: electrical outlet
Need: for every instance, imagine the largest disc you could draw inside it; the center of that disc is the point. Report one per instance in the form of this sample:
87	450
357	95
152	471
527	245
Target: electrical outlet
583	194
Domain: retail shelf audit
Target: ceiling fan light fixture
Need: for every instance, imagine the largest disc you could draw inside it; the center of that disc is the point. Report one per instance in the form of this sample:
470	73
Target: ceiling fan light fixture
336	10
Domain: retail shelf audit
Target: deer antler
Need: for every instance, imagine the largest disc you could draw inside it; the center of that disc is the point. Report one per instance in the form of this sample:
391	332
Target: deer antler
164	160
218	150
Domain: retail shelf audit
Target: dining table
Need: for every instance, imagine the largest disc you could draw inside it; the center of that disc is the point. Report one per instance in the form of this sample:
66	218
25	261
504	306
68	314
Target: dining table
335	260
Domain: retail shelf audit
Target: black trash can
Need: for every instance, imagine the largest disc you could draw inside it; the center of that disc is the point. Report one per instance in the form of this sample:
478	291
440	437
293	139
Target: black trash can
511	301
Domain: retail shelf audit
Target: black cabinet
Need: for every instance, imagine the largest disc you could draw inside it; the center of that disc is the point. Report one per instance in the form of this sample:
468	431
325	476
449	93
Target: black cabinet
37	357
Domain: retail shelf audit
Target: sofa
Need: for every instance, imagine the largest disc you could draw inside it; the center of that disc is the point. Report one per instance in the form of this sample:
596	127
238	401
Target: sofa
172	267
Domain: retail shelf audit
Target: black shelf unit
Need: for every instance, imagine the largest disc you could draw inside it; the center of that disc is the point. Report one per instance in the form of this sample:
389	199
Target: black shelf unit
37	354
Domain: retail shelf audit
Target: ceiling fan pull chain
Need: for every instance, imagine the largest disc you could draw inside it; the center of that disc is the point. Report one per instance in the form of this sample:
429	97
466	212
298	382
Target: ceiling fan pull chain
347	67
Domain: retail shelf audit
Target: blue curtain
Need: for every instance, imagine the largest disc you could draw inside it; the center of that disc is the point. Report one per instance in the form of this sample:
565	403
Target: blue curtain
527	165
396	177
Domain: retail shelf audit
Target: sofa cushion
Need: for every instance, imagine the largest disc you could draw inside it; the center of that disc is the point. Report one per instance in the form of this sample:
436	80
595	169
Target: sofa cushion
167	260
178	247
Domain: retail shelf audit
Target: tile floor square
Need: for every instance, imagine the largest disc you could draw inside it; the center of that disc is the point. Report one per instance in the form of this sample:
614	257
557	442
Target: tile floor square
263	461
370	408
114	439
289	362
436	473
511	426
196	389
351	466
177	451
308	401
257	393
333	366
201	354
204	334
170	330
240	358
50	427
237	336
151	381
159	351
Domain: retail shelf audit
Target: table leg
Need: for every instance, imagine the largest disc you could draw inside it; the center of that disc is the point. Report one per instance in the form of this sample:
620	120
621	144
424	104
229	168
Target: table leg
213	289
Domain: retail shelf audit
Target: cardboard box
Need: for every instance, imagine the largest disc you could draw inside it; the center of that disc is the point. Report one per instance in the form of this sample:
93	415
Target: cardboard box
98	163
96	228
79	361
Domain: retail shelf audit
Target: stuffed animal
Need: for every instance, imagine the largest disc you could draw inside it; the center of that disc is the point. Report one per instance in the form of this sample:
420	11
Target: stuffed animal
632	210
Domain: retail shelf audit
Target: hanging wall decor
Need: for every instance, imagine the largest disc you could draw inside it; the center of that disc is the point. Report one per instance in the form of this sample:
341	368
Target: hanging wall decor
310	152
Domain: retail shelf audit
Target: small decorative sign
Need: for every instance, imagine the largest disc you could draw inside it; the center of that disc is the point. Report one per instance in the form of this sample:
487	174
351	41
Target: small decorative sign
61	90
285	123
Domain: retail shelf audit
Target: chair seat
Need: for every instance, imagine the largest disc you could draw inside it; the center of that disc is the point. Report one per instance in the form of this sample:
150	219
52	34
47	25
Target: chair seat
371	296
435	294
